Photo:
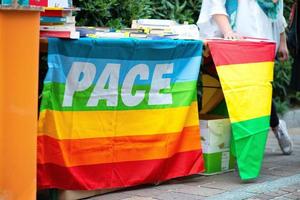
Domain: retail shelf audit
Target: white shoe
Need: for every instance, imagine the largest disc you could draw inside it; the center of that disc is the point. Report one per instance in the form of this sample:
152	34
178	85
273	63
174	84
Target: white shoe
283	138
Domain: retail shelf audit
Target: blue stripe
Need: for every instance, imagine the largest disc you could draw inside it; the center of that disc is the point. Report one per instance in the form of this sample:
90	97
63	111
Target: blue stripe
126	49
185	69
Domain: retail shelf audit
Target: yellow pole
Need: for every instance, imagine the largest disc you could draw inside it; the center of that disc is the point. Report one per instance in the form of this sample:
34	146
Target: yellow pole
19	49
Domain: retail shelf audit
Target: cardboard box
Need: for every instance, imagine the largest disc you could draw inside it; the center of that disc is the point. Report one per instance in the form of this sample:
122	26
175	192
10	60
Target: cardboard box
215	139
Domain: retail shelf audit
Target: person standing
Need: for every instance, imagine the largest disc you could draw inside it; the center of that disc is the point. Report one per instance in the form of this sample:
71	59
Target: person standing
294	45
235	19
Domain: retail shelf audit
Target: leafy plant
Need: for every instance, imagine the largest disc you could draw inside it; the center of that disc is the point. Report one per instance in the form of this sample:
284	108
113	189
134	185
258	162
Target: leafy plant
281	106
282	77
117	13
179	10
94	12
287	8
112	13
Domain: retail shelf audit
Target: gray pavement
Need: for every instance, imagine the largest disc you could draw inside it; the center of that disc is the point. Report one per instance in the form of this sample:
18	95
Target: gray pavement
280	179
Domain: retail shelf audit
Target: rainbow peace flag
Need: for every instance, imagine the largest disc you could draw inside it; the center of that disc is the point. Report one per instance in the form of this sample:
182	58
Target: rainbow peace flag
245	70
118	113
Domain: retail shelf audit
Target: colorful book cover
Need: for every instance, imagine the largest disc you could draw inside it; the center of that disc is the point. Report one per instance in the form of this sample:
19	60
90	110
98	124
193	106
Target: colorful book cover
43	3
60	34
21	2
59	3
65	27
68	19
52	3
56	13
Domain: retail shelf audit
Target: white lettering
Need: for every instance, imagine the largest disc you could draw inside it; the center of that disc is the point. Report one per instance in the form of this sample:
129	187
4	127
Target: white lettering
109	76
128	98
80	78
159	83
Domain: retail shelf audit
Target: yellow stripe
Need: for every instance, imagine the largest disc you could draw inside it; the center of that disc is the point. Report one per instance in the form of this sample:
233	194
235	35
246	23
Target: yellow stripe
247	89
239	74
248	103
97	124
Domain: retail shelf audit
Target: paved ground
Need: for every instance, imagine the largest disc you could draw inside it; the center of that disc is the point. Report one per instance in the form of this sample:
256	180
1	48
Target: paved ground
280	179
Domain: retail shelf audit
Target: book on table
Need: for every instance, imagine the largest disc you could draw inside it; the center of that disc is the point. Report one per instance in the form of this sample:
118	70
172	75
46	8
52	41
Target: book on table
58	20
60	27
56	13
52	3
60	34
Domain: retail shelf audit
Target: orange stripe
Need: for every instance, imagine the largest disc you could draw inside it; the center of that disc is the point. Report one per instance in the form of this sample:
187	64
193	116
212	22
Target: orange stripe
116	149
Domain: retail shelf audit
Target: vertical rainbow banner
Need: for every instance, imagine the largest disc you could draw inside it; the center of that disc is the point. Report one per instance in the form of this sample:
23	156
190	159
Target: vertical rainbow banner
119	112
245	70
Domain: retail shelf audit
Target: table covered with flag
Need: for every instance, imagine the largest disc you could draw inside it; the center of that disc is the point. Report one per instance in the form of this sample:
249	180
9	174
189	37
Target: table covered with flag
119	112
123	112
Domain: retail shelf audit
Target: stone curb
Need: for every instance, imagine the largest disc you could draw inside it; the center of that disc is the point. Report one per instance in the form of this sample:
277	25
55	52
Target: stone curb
292	118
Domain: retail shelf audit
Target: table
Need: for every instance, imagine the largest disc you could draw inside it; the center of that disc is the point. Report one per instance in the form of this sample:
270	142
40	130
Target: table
141	94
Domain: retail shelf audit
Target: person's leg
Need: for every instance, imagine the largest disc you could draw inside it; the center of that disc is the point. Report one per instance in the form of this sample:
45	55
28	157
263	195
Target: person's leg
274	120
281	133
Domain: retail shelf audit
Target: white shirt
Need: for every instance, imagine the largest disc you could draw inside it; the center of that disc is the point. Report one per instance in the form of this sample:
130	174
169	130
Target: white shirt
251	21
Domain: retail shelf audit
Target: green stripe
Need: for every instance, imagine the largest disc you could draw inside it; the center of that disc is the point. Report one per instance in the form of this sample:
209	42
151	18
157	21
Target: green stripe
183	95
250	127
249	141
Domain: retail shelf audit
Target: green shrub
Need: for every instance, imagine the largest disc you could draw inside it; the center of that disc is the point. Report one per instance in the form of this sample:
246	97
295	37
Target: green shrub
179	10
120	13
111	13
282	77
287	8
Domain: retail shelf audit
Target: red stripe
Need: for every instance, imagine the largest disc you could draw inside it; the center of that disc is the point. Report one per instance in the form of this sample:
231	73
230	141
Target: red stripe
241	52
116	175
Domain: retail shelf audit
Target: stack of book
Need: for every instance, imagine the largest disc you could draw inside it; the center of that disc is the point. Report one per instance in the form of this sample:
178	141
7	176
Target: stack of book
166	29
57	20
157	24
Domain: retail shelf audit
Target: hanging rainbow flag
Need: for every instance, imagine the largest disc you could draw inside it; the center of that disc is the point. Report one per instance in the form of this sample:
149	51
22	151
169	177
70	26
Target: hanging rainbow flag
245	70
119	112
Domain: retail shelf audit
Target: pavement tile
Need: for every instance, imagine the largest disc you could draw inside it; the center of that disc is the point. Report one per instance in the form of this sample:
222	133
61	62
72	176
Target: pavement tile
276	194
226	181
111	196
281	198
187	189
170	187
178	196
297	193
222	185
262	197
289	189
291	196
139	198
144	192
200	190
